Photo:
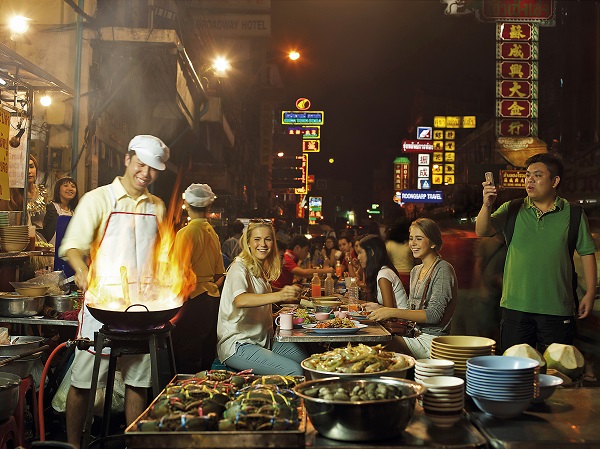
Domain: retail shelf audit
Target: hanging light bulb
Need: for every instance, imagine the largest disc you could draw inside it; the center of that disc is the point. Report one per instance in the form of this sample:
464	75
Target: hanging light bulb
15	140
45	100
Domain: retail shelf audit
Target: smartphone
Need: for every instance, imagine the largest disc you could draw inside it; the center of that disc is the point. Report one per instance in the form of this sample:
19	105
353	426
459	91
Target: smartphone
489	178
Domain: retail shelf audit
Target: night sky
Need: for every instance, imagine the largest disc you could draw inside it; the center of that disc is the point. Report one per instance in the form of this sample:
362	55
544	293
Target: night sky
370	63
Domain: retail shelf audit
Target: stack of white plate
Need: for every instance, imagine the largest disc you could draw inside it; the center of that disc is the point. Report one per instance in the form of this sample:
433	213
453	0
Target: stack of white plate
14	238
502	386
444	400
460	348
425	368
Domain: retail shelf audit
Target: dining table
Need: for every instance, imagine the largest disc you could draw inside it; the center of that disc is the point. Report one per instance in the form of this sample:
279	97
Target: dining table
371	333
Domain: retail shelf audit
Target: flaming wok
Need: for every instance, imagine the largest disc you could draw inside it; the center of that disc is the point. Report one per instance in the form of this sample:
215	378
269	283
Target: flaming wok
136	317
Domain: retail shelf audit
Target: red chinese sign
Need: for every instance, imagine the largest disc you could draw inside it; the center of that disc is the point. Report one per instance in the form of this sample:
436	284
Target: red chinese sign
401	176
515	31
515	50
518	9
516	70
515	89
515	108
514	127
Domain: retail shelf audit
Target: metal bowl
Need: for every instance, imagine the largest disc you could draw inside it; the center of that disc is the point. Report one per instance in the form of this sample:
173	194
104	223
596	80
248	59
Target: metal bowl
20	344
9	394
60	303
361	420
21	306
21	367
400	373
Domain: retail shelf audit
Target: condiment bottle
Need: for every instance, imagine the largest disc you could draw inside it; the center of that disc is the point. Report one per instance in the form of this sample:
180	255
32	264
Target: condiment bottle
329	285
316	286
353	295
338	269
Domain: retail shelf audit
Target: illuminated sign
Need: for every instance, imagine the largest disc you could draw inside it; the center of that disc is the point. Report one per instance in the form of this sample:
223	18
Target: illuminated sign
302	117
401	173
515	31
302	104
307	132
517	89
424	183
310	146
518	9
450	135
418	196
438	134
516	109
416	146
521	70
448	157
424	132
517	50
452	121
423	171
512	179
514	127
423	159
438	157
448	179
304	189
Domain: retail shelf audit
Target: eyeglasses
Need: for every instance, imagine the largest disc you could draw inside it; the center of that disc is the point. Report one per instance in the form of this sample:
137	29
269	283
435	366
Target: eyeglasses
261	220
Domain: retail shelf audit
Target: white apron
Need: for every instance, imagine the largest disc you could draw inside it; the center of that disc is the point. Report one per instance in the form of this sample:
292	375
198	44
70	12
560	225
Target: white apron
128	241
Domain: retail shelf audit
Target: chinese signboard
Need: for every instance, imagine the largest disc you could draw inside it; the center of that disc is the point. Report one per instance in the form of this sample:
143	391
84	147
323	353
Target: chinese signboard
401	173
512	179
307	132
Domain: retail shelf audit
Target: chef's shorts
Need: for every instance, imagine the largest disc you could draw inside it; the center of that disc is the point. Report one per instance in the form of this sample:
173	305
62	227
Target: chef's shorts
134	368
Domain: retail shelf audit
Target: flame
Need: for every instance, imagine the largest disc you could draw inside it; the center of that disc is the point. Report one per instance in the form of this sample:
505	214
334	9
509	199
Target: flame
167	278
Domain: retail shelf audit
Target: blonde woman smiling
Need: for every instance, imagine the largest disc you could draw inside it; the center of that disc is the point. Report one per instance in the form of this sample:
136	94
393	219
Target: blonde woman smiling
245	325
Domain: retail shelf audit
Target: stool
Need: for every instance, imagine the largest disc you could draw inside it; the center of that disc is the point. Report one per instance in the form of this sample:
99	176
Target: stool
156	342
27	384
8	433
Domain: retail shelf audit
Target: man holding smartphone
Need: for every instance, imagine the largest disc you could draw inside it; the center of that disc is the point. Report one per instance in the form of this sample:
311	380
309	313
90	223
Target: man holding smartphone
538	303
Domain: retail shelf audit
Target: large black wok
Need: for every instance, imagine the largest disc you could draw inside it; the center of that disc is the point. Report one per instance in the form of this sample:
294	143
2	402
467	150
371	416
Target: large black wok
136	317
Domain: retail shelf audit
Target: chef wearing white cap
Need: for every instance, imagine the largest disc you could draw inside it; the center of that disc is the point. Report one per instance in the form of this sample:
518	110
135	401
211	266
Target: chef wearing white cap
121	221
195	334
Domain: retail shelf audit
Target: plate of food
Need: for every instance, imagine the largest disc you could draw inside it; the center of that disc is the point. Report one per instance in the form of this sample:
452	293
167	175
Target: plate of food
335	326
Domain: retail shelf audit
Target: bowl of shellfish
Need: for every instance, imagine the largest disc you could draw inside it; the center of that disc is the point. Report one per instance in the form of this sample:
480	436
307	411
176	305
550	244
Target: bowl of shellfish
364	409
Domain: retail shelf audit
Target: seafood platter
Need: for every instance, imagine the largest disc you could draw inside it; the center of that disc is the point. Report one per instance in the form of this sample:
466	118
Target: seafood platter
222	409
358	361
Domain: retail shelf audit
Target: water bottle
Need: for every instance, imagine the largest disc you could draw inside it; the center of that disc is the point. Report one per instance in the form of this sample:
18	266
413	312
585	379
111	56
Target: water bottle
316	286
353	296
329	285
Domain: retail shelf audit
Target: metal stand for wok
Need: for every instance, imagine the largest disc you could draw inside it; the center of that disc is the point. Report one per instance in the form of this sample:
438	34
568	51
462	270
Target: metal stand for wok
156	342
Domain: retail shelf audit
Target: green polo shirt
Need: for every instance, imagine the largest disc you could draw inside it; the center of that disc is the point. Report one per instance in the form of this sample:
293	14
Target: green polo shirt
537	272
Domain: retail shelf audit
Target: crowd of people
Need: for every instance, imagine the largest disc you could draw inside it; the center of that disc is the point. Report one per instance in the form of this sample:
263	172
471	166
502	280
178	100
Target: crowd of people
228	315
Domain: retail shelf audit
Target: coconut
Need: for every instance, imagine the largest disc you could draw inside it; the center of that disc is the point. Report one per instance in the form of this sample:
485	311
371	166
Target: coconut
524	350
566	359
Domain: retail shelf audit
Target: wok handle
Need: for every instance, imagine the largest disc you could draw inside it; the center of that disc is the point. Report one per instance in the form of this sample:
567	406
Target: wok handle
135	305
33	351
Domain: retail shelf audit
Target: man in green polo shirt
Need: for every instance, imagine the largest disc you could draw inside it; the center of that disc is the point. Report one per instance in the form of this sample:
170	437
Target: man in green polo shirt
538	306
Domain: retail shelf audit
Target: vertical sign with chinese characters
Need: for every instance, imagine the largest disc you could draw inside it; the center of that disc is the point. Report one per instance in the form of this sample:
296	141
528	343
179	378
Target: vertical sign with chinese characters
401	173
516	79
4	130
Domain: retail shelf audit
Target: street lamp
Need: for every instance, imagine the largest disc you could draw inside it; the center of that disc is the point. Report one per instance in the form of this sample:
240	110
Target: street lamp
294	55
18	26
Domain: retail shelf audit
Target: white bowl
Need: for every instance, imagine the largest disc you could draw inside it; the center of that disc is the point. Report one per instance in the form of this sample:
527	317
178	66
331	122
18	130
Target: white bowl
501	409
13	247
496	362
443	419
548	385
444	382
434	364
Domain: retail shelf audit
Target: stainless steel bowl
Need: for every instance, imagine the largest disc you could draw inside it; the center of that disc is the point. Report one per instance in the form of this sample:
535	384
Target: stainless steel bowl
20	344
362	420
9	394
21	306
60	303
21	367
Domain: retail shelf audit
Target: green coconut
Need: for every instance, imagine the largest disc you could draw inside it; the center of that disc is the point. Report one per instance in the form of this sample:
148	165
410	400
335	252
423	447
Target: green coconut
524	350
566	359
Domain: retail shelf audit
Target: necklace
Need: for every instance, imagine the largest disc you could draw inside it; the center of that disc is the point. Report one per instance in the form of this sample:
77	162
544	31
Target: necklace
413	298
422	275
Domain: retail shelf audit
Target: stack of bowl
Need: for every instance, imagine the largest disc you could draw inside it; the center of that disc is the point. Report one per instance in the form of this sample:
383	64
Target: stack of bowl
502	386
425	368
444	400
14	238
460	348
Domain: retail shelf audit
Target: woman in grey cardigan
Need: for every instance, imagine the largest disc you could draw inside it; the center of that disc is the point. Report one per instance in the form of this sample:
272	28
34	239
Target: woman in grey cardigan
433	292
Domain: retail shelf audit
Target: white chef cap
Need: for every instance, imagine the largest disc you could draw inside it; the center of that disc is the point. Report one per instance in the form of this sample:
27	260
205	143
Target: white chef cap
150	150
199	195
